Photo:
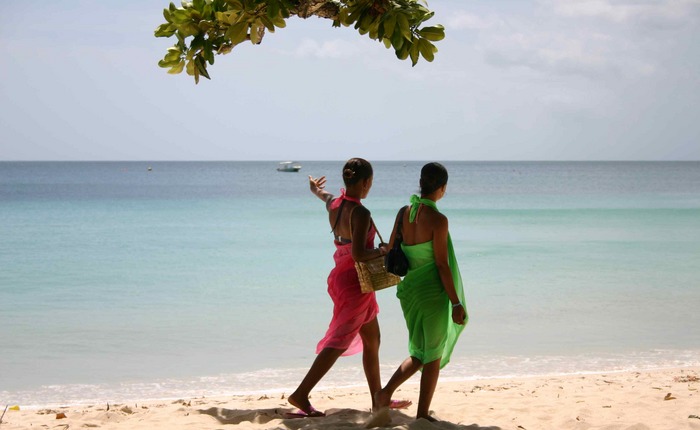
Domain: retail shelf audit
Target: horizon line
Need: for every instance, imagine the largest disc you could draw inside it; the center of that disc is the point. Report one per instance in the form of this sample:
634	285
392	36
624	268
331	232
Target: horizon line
342	160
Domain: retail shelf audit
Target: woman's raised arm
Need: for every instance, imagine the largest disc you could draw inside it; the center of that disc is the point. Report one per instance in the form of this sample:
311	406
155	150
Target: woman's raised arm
317	187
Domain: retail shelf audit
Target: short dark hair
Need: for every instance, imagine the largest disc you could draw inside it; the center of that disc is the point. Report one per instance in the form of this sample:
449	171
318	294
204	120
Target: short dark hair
432	177
355	170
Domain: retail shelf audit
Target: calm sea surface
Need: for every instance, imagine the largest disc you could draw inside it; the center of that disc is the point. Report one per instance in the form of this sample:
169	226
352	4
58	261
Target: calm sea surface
208	278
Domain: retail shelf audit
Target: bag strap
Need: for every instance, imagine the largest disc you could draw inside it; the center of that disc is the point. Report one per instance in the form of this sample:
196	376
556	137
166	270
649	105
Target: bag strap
371	222
399	225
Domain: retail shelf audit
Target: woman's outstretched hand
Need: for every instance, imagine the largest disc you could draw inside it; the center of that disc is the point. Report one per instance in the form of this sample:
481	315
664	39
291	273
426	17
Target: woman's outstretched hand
317	184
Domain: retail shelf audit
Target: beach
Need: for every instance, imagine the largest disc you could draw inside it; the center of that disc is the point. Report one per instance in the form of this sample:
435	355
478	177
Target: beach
659	399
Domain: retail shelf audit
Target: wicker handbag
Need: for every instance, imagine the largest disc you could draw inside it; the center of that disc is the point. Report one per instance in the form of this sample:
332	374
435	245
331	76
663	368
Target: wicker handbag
372	273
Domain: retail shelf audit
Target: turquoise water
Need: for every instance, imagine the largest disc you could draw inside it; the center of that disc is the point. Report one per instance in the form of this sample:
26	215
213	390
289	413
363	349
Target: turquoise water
208	278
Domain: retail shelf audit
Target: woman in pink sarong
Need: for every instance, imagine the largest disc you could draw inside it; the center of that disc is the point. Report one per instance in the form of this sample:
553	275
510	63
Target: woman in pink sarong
354	327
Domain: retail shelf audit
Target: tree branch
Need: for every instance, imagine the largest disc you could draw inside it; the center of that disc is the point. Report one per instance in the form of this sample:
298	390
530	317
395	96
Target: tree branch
204	28
320	8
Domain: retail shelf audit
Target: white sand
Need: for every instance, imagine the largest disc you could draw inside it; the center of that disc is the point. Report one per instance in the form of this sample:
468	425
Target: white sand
664	399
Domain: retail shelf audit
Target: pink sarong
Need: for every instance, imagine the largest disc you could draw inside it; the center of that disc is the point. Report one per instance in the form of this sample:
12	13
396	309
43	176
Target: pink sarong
351	307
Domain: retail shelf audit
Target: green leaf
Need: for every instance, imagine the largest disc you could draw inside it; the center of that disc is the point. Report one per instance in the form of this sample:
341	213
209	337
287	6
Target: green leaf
235	4
284	10
166	64
225	49
178	68
180	16
172	55
374	30
206	25
201	67
166	15
426	49
279	21
189	29
353	16
165	30
389	23
343	17
208	12
237	33
402	53
427	16
434	33
197	43
404	26
256	32
366	21
208	53
232	18
267	23
273	9
397	40
414	53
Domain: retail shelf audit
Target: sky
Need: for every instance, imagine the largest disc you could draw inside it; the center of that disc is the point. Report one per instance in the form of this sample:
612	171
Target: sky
513	80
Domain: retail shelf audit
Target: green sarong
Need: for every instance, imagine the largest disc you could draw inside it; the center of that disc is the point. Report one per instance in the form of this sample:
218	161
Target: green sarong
428	312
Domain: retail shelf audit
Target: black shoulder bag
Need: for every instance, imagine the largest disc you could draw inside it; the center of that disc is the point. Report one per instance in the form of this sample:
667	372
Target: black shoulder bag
395	260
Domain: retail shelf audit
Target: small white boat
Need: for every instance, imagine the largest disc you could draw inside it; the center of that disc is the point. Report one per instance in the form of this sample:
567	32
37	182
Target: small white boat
288	166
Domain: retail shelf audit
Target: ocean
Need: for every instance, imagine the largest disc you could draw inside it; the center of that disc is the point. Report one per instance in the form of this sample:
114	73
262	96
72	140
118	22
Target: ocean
147	280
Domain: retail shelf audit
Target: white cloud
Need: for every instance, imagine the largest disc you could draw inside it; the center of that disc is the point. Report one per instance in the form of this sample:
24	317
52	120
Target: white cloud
464	20
550	53
659	13
328	49
597	39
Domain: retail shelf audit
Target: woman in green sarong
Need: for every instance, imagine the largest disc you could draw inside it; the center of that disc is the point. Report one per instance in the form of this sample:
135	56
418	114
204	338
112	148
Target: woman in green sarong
431	293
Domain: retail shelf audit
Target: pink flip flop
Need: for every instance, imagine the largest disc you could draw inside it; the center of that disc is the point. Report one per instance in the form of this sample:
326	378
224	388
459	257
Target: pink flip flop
313	413
400	404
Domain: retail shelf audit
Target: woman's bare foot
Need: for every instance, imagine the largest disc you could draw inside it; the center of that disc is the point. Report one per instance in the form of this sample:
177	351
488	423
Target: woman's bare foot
427	418
304	406
382	399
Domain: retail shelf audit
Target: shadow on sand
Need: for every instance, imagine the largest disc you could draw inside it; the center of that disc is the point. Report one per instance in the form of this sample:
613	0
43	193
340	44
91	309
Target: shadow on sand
335	419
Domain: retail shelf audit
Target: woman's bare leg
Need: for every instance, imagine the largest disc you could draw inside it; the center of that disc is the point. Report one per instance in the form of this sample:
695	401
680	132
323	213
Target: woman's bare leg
428	382
322	364
408	368
370	356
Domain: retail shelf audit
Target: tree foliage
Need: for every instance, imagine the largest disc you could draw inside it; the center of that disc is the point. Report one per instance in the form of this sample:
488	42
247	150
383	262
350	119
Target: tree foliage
204	28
